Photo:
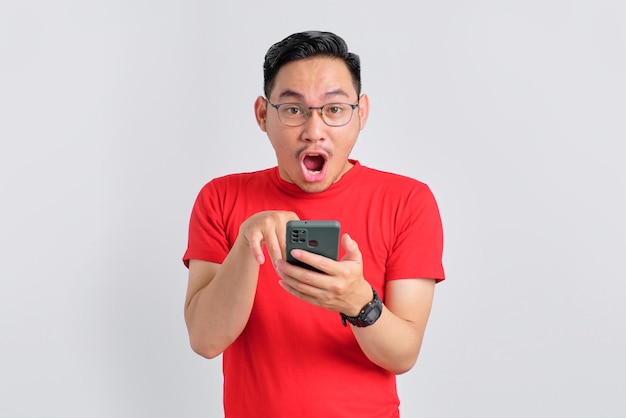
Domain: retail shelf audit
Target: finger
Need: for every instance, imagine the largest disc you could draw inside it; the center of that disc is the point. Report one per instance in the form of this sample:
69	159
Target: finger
256	248
352	249
274	247
317	261
305	282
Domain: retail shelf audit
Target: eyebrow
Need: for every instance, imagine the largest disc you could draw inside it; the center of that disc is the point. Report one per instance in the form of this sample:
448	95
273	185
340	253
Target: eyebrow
297	96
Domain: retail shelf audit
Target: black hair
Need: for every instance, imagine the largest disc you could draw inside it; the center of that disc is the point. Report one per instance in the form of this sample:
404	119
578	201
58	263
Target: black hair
305	45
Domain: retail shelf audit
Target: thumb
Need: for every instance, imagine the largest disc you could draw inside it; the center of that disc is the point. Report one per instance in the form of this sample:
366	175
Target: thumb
352	249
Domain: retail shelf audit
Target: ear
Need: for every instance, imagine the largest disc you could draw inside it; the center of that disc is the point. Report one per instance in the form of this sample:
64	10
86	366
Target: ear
260	112
364	110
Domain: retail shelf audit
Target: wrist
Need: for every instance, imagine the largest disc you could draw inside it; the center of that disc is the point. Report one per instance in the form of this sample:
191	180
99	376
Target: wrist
364	295
367	315
243	251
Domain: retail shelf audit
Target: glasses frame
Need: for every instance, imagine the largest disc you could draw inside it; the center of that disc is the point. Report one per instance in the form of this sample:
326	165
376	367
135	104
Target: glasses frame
309	110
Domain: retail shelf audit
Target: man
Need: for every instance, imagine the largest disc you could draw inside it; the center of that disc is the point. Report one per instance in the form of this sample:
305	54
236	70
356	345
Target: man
296	342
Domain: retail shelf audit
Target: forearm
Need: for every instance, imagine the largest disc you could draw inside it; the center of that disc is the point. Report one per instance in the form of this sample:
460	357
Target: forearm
392	342
219	311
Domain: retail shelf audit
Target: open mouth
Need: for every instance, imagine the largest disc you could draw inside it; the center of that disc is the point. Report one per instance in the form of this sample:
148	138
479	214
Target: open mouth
314	162
313	166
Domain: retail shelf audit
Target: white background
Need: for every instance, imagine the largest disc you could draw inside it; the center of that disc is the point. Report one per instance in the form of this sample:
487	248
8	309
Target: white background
114	113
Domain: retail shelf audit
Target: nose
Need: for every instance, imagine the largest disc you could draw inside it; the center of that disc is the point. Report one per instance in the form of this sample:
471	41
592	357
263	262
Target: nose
314	127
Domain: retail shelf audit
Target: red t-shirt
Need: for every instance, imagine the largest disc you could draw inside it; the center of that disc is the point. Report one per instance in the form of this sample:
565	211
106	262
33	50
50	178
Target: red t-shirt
294	359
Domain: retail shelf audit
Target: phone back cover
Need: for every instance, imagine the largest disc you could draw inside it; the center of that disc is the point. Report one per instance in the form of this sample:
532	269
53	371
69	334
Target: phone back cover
316	236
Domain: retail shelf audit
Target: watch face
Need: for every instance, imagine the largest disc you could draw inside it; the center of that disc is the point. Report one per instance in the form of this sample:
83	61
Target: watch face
368	316
372	315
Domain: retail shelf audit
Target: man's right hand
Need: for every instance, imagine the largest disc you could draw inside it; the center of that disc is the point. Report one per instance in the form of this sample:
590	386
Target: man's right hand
220	296
266	229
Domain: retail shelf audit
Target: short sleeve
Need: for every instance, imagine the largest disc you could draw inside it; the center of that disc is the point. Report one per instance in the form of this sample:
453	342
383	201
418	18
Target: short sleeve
207	239
418	247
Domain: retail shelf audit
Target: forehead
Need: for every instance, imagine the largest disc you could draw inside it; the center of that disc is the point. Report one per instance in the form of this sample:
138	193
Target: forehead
314	78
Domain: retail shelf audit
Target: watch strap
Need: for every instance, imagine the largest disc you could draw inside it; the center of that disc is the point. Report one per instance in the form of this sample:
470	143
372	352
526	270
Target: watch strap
368	315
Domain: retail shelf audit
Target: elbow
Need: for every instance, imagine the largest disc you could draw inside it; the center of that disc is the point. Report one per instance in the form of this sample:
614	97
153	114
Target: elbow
395	365
405	360
209	342
206	342
402	367
206	349
399	363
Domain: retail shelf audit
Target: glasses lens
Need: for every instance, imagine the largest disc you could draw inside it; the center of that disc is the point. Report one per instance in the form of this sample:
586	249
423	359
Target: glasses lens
292	114
337	114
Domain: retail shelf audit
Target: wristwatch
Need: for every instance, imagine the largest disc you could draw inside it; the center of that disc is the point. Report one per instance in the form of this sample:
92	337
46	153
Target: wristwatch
368	315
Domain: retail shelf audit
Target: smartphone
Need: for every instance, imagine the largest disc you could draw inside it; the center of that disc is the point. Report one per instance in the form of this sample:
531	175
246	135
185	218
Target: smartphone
319	237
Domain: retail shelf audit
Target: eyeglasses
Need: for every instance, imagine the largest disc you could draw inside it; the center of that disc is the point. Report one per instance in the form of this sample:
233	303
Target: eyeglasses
296	114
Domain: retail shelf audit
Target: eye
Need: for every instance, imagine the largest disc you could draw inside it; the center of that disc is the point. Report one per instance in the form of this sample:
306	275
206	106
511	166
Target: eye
292	109
334	108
